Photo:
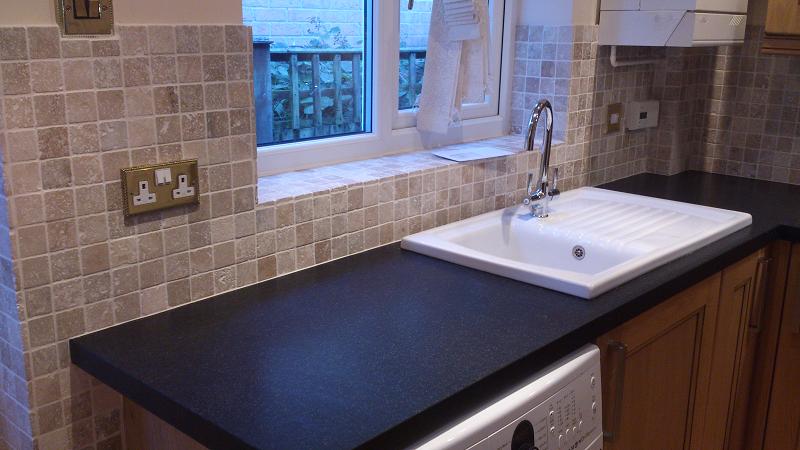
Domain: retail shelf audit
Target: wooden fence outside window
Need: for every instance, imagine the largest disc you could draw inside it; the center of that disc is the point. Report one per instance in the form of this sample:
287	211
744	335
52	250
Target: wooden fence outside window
310	93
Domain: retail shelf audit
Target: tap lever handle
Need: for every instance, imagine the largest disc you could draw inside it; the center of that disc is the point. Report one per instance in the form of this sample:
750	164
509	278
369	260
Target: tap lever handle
529	187
554	192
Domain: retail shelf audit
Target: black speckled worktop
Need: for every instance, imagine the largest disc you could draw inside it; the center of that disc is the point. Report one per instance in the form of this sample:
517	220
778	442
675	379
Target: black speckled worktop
385	347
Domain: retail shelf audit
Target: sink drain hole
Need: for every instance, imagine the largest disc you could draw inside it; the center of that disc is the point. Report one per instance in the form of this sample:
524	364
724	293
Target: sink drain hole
579	252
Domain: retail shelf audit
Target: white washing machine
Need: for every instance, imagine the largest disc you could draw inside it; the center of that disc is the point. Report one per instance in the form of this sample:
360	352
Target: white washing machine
560	408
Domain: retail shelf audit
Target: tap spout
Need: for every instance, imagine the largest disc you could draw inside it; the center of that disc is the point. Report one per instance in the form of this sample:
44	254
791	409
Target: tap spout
538	193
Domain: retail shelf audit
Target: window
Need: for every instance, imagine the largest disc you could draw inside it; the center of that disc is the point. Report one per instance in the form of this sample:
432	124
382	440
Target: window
414	25
309	75
318	64
413	50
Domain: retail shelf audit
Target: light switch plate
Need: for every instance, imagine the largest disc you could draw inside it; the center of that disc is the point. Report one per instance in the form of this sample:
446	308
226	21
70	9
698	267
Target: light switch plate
163	176
85	17
613	118
133	178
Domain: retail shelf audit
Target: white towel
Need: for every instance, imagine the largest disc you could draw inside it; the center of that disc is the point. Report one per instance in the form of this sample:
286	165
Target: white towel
461	19
456	71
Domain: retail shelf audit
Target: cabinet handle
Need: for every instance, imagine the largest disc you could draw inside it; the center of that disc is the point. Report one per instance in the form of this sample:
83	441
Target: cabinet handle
762	273
796	327
616	355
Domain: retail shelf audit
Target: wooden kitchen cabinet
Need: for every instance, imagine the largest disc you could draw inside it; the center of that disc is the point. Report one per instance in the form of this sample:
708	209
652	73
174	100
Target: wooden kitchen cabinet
783	417
655	372
782	31
679	375
145	431
741	304
751	395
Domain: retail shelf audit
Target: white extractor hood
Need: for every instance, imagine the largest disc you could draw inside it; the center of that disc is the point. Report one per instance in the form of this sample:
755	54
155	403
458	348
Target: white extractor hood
672	23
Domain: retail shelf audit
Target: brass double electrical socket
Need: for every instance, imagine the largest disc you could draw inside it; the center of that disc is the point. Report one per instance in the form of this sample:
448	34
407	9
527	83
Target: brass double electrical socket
85	17
159	186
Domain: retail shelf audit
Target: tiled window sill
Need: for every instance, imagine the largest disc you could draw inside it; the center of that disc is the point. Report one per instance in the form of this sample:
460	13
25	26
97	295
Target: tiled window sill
284	186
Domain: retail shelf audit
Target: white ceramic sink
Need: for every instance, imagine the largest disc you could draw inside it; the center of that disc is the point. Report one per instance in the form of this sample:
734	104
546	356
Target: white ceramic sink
619	237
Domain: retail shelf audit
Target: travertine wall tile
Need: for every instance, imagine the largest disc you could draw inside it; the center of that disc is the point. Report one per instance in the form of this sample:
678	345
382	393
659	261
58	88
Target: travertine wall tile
162	40
164	69
46	76
76	48
49	110
81	107
107	73
13	44
107	47
44	42
703	125
136	71
745	113
187	39
16	78
21	146
78	75
19	111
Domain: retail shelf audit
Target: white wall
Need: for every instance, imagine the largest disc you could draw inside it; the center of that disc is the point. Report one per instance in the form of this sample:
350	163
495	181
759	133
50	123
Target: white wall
545	12
557	12
584	12
42	12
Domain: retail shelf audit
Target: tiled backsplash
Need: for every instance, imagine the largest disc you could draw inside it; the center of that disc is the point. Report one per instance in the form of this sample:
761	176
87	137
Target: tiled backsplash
542	69
748	123
729	110
566	65
346	209
76	112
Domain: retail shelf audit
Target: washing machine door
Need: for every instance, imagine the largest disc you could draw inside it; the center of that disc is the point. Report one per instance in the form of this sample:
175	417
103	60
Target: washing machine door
526	433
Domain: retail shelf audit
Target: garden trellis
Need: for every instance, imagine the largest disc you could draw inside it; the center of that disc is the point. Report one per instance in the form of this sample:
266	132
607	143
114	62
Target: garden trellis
312	92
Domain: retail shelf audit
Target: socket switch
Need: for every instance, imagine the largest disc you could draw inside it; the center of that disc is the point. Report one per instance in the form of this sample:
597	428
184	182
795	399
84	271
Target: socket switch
163	176
159	186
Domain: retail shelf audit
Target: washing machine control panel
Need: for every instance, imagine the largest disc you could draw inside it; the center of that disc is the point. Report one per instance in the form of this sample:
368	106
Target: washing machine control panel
570	419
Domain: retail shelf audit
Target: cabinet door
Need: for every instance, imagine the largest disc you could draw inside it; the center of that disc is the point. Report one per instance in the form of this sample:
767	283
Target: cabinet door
740	300
751	398
783	419
783	17
145	431
655	372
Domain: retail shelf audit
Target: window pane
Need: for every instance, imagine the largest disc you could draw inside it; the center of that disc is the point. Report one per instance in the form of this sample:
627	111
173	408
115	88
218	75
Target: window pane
414	25
310	68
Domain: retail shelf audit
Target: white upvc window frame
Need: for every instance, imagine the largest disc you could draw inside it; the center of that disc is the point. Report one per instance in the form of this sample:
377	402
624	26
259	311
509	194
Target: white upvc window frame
394	131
